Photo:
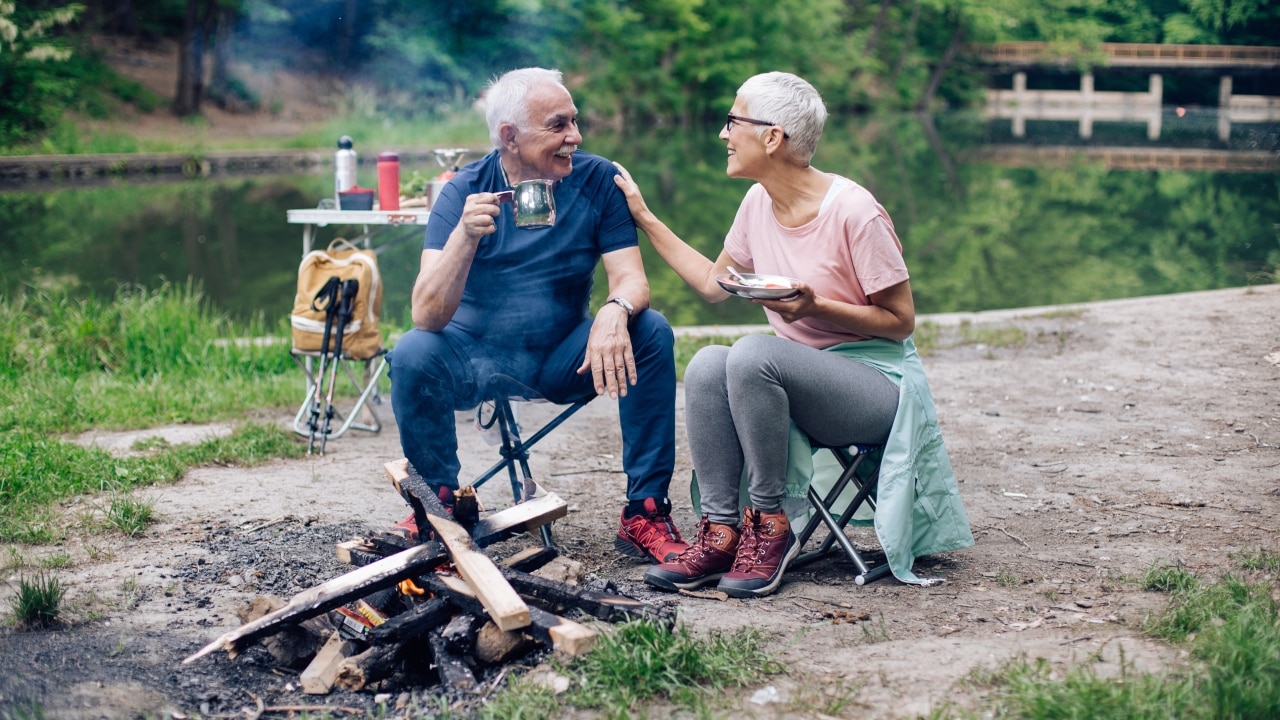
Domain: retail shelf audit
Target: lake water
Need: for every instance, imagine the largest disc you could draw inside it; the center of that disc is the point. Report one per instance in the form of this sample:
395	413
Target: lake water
991	215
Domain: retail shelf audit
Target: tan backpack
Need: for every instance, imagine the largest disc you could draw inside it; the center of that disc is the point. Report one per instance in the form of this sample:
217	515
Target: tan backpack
361	338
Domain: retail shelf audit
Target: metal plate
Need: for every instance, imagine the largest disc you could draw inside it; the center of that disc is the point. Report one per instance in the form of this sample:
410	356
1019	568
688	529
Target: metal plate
771	287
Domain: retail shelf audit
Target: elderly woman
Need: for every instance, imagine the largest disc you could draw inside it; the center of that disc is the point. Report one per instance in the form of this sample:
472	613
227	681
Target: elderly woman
835	367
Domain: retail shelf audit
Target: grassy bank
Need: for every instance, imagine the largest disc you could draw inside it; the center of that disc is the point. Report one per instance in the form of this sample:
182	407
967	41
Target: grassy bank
148	358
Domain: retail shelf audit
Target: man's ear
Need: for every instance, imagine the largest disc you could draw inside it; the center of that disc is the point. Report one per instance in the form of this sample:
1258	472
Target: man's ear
507	134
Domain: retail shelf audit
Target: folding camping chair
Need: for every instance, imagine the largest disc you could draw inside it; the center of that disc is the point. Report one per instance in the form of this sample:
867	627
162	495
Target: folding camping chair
834	509
498	413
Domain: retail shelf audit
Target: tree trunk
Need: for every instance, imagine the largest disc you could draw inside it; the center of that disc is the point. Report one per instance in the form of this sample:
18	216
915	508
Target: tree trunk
956	38
908	41
347	34
878	26
224	23
120	17
190	89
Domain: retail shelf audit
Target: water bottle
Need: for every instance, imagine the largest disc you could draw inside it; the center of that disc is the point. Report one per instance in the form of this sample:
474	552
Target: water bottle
388	181
344	169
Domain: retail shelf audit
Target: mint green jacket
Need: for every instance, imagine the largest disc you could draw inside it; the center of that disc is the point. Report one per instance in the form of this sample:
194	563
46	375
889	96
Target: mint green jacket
918	508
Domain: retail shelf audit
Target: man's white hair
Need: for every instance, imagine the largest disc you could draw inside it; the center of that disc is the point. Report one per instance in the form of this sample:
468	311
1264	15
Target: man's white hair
504	102
792	104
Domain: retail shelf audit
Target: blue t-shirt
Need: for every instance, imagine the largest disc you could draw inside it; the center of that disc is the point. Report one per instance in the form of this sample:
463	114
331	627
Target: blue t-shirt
529	288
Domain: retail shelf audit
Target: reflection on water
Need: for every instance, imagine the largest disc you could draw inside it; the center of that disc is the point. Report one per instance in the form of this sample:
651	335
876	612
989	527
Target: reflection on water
989	217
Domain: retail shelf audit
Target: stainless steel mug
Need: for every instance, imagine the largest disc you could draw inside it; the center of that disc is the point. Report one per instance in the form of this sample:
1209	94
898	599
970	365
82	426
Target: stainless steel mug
535	202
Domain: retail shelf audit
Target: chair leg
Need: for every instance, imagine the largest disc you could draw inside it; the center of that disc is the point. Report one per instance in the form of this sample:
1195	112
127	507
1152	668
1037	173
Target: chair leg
515	454
836	526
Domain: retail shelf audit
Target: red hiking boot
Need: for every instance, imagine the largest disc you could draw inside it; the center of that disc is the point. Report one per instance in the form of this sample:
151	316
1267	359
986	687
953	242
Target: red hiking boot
767	545
705	561
408	528
649	535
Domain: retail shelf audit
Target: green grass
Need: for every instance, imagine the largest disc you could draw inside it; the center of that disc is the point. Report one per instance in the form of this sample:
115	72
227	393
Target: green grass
1231	630
641	662
130	516
38	601
449	128
148	358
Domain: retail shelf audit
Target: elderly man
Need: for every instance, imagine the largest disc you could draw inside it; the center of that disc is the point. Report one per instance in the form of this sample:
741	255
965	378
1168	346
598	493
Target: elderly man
494	299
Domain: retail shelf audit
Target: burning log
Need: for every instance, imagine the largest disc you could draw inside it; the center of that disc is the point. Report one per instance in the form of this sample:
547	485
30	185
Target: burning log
356	584
401	608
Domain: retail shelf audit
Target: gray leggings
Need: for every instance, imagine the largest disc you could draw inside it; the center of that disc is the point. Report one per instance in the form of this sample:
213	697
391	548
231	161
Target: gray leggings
740	402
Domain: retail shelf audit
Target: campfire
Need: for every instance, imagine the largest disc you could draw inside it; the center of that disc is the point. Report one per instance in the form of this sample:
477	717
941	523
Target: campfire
441	606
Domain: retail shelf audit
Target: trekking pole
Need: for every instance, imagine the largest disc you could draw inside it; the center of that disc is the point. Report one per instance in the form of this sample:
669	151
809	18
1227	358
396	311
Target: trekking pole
325	300
346	308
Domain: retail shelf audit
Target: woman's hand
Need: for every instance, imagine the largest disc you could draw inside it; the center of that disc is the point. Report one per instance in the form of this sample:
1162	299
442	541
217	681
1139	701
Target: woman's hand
630	190
795	307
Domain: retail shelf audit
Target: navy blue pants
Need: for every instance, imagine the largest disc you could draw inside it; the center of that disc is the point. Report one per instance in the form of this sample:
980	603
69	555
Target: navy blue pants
435	373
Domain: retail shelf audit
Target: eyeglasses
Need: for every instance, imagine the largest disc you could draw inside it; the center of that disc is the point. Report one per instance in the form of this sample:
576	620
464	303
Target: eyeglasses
728	125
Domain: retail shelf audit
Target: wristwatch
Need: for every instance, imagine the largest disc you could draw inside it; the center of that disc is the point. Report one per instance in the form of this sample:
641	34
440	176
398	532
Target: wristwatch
624	303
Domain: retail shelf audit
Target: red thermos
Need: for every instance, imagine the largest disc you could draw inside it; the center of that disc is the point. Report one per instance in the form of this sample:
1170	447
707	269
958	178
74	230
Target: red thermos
388	181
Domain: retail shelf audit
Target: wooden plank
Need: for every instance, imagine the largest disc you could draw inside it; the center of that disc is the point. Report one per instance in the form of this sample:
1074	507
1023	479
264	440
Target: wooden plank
571	638
504	605
385	573
560	598
542	624
318	678
543	508
531	558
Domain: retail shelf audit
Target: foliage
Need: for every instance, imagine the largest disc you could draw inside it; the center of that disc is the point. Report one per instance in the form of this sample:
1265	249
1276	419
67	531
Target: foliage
630	62
34	81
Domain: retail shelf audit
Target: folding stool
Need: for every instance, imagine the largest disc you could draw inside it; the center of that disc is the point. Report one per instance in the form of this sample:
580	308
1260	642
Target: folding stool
365	386
832	511
515	450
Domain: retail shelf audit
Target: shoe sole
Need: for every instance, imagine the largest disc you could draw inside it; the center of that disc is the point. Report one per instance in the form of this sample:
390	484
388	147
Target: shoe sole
746	592
631	550
665	583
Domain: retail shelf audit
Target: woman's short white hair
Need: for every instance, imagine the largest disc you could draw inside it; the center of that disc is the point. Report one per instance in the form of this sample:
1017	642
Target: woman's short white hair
792	104
504	101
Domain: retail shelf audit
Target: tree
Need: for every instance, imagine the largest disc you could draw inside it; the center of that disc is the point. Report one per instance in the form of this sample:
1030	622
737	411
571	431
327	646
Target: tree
205	22
35	83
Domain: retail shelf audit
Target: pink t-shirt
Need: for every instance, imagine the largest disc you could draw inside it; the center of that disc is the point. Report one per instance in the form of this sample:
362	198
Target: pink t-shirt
847	252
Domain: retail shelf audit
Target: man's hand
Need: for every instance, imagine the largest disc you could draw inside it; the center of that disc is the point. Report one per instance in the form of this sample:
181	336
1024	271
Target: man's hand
609	357
478	216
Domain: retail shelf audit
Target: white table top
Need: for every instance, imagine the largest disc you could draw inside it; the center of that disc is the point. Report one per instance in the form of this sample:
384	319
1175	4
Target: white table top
316	216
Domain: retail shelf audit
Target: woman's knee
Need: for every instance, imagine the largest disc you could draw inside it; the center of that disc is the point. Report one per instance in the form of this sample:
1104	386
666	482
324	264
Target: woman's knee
707	369
749	358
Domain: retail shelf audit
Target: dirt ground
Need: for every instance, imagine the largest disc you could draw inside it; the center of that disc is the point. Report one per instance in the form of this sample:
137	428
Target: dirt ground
1124	434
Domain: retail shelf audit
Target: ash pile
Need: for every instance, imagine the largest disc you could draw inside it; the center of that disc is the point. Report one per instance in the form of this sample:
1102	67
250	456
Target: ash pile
432	607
